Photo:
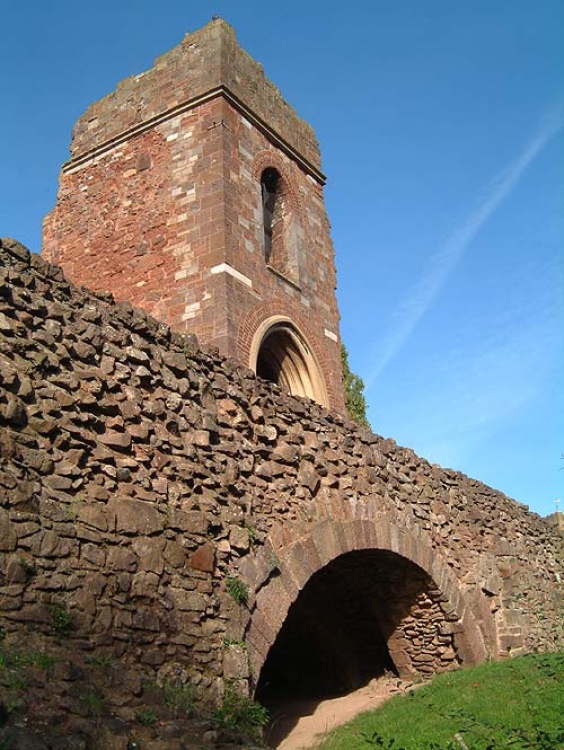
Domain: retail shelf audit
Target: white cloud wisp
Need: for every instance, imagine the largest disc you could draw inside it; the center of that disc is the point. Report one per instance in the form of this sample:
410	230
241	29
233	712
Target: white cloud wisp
445	259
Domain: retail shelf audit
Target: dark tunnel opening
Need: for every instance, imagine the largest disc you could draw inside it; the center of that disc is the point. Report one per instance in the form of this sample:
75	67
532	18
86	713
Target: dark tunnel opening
336	635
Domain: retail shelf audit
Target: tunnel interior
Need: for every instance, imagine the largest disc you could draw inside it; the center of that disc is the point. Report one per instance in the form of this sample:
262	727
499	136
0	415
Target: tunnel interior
351	623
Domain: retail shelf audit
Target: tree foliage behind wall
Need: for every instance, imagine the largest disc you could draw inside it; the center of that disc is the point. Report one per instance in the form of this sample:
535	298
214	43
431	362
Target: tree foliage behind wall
354	391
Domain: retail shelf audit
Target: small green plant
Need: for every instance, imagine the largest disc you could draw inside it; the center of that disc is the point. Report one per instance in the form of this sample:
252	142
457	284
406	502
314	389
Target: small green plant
99	661
14	658
94	701
252	532
241	714
227	642
41	660
179	696
237	589
147	716
61	620
9	657
536	738
15	680
14	704
12	662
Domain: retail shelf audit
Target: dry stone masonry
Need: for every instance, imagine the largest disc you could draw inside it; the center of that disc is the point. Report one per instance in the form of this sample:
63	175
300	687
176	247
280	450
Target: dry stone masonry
168	509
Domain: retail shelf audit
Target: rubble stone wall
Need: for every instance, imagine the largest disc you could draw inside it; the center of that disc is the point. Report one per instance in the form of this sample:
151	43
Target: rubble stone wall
161	505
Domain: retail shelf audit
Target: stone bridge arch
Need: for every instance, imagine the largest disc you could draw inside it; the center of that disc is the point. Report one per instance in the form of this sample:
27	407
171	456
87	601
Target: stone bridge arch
357	559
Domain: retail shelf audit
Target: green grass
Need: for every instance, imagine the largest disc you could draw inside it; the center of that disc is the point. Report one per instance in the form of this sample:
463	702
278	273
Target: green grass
517	704
240	714
237	589
17	668
12	658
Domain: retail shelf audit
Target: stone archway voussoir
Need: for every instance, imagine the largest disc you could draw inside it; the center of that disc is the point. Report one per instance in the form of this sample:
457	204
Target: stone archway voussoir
326	542
274	602
248	572
369	533
295	562
350	542
409	545
362	538
258	646
280	536
395	540
381	531
311	553
339	530
261	632
290	585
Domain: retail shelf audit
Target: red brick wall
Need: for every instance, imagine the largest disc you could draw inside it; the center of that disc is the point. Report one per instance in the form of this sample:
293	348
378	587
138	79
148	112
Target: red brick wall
151	215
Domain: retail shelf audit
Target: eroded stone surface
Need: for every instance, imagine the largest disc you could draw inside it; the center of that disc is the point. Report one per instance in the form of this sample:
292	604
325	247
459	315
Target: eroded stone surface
209	474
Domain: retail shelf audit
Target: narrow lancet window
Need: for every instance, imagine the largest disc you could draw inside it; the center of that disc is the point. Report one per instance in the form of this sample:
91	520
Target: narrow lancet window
270	183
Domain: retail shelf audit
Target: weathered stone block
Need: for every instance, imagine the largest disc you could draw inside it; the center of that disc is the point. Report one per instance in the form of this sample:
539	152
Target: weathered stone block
8	535
122	559
235	663
144	584
145	620
150	554
203	558
49	544
137	517
190	601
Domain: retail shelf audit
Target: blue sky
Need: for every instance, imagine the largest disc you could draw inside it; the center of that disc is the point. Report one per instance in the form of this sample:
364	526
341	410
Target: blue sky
442	133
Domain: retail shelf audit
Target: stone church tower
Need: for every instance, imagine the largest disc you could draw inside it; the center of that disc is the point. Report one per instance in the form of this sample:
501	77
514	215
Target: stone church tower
195	192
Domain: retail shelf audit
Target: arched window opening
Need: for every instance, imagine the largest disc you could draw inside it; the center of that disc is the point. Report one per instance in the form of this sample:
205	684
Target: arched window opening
271	208
283	237
281	362
284	358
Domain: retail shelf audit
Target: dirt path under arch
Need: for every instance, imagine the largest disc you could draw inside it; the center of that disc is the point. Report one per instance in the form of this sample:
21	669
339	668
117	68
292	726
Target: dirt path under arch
301	724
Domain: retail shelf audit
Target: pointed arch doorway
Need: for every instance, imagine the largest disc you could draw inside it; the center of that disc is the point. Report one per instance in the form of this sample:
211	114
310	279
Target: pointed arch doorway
281	354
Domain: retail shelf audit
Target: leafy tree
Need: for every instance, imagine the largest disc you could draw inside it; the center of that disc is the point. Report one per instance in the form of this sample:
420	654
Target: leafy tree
354	391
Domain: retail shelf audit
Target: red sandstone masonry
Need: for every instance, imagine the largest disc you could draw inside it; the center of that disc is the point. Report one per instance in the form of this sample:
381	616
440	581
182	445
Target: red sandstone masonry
126	452
163	186
203	62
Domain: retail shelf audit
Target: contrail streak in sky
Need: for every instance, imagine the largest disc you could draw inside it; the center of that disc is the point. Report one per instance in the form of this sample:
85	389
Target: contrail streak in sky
445	259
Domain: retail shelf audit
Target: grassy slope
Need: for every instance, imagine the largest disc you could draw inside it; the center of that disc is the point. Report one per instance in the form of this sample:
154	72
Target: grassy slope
514	704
